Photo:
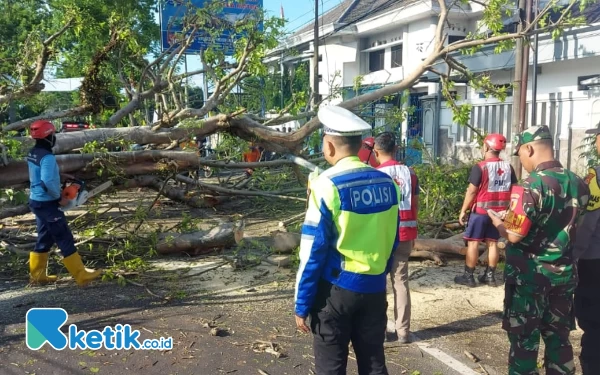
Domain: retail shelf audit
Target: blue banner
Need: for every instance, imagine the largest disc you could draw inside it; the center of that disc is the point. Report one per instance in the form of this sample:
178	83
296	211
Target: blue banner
171	23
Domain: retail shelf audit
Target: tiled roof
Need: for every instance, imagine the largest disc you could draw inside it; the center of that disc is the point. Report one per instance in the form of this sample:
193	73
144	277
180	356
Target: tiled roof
350	11
331	16
369	8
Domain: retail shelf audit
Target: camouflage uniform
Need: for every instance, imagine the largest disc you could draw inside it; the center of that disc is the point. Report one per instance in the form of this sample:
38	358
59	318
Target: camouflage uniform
540	271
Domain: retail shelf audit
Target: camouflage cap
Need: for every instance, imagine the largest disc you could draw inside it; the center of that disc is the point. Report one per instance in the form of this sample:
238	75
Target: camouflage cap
534	133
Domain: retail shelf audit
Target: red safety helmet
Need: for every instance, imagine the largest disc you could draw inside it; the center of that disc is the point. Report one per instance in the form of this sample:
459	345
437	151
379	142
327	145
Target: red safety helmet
366	154
40	129
495	141
369	142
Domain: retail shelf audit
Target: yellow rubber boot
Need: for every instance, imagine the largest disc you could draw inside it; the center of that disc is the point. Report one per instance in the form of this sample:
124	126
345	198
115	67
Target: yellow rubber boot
38	267
76	268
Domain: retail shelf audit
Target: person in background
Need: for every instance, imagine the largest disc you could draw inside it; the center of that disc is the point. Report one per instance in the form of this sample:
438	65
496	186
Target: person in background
251	156
348	238
45	201
587	254
490	182
540	272
406	179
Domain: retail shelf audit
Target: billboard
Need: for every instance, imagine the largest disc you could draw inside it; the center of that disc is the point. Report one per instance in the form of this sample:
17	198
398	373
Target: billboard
171	23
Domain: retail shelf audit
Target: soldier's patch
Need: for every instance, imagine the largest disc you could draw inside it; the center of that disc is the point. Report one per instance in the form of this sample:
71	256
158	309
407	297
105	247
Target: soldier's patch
516	221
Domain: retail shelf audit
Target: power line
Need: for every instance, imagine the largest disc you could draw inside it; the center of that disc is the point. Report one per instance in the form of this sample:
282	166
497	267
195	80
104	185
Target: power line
309	12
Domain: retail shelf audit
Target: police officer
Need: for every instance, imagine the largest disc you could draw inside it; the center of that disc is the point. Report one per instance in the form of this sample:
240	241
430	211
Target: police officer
348	237
587	294
489	188
45	202
540	271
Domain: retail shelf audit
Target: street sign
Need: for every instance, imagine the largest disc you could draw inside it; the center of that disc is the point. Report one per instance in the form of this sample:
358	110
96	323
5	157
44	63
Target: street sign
171	23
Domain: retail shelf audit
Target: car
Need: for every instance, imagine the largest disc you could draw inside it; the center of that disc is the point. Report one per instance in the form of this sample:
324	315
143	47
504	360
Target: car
73	126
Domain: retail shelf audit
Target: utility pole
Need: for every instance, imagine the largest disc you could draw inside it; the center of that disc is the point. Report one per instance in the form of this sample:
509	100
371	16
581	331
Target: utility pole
516	109
525	71
316	58
536	45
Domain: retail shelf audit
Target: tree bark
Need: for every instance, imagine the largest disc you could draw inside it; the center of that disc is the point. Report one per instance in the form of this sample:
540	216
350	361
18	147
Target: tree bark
17	172
220	237
193	199
440	246
14	211
430	255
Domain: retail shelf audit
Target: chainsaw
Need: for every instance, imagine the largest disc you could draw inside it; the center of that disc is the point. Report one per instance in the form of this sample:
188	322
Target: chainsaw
76	194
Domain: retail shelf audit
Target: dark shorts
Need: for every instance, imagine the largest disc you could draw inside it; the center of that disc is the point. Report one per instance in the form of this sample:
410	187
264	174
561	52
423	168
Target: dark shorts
480	228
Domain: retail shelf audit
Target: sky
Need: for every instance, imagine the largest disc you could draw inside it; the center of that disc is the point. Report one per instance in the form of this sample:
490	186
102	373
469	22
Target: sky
298	12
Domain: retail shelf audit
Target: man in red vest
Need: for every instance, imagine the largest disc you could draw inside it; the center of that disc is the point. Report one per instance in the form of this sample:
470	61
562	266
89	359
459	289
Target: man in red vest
406	179
489	188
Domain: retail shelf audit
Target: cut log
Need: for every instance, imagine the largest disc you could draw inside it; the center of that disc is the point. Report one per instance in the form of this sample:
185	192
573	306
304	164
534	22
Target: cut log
440	246
196	243
437	258
285	242
14	211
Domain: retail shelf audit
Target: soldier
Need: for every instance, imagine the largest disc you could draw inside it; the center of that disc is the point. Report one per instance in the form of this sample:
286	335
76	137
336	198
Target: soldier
348	238
587	251
540	273
489	188
406	179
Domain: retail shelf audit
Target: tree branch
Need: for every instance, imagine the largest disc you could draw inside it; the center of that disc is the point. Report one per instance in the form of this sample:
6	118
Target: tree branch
22	124
34	86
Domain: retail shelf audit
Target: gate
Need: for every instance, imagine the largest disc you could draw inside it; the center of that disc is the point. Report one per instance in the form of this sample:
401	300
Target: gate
414	133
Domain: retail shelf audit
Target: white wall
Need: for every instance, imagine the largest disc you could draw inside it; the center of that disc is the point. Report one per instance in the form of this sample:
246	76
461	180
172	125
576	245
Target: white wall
338	58
418	43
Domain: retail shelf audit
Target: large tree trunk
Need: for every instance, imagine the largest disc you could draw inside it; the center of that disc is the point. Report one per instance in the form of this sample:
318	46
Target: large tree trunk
132	163
193	199
440	246
14	211
223	236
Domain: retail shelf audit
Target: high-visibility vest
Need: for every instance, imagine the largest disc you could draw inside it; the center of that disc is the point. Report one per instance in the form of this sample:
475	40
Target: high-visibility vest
349	232
406	179
494	189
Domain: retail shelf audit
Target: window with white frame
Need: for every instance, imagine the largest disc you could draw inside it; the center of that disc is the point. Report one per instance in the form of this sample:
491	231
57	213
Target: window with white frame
376	60
397	56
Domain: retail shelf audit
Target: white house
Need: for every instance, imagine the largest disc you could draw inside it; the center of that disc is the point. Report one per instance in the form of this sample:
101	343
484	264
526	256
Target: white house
379	42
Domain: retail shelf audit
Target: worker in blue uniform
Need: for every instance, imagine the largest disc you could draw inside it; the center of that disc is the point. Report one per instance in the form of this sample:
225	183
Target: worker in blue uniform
348	237
45	201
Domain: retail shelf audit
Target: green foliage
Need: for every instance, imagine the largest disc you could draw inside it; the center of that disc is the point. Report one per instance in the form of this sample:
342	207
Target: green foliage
442	190
14	197
589	152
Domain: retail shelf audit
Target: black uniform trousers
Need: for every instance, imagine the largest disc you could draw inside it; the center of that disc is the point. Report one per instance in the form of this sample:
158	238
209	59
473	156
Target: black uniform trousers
52	228
340	316
587	310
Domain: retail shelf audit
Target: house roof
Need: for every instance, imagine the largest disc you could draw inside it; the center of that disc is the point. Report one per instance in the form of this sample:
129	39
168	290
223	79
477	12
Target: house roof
329	17
350	11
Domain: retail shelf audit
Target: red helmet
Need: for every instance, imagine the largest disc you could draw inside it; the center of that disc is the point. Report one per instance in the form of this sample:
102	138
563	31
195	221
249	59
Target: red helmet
40	129
369	142
495	141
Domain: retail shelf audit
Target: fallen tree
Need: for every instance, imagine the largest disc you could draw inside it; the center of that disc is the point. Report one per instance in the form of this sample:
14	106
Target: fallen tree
222	236
134	100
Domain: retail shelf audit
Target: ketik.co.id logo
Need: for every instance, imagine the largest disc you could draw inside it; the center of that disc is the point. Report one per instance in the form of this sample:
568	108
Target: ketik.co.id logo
43	326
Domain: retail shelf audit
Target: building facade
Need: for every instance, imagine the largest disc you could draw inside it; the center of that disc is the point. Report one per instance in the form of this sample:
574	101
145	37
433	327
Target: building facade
367	44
